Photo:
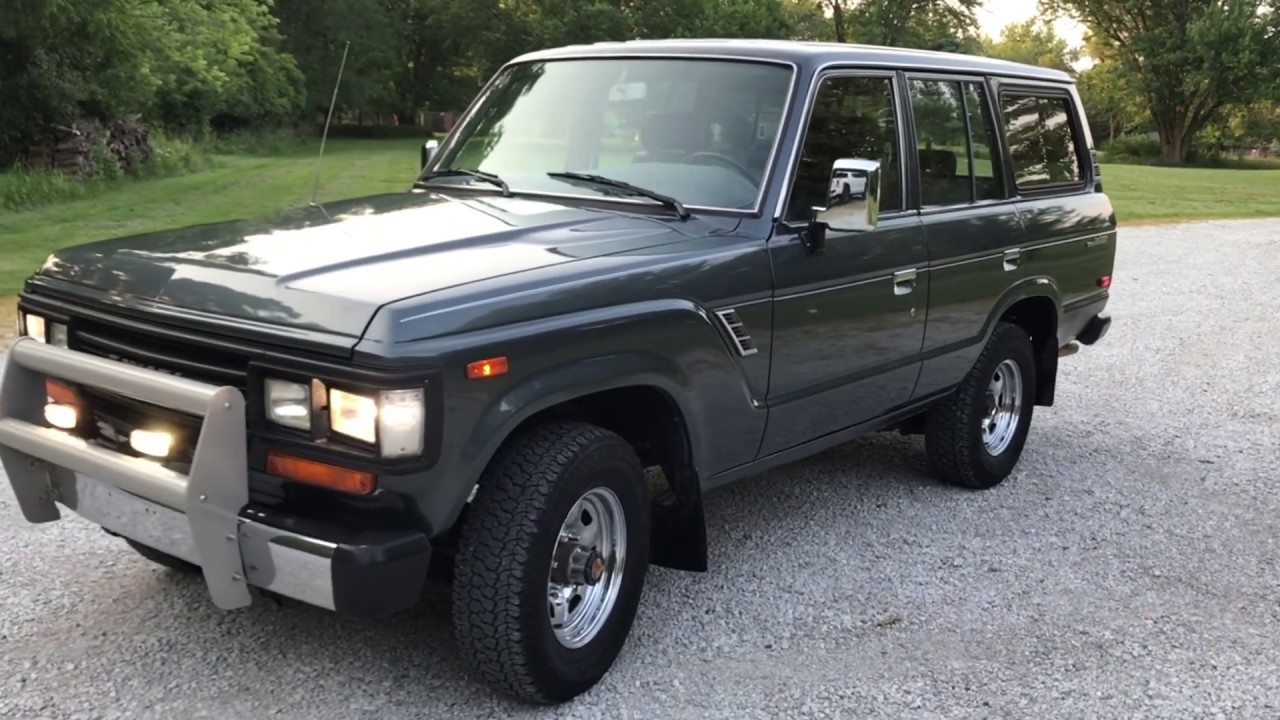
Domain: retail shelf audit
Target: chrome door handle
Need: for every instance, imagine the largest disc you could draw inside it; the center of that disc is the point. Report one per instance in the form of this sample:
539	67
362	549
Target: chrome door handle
904	282
1012	258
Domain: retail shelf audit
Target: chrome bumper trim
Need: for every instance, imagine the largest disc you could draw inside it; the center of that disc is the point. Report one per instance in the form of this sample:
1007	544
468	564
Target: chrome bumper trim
195	516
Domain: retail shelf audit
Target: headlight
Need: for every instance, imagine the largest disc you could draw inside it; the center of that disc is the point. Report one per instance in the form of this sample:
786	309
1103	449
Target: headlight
394	419
288	403
35	326
58	334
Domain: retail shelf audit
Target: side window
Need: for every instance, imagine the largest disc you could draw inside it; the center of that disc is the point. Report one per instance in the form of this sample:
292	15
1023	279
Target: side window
853	120
988	177
1041	140
956	143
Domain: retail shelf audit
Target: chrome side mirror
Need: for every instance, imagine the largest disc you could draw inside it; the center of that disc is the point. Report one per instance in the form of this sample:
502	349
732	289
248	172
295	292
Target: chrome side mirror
853	196
429	149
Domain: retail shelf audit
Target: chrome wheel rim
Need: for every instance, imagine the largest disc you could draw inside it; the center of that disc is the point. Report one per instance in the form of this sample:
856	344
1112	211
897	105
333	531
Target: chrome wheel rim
1003	408
586	567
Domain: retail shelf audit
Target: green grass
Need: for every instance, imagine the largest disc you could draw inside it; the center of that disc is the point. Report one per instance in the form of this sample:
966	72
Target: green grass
264	178
1166	194
232	186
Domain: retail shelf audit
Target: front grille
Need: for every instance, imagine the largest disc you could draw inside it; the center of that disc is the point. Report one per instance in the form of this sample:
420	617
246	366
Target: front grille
213	365
111	417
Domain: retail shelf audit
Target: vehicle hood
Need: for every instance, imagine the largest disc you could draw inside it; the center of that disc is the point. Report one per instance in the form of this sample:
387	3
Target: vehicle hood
328	269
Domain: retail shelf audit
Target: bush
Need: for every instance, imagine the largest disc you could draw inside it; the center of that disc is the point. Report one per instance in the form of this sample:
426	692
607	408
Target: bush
1131	148
172	156
282	141
25	189
22	189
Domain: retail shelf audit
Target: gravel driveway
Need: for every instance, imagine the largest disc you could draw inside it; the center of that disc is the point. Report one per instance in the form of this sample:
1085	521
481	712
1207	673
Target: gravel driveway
1129	568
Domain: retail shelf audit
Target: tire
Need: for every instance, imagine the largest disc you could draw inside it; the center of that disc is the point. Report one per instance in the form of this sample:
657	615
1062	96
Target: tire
502	615
161	558
960	452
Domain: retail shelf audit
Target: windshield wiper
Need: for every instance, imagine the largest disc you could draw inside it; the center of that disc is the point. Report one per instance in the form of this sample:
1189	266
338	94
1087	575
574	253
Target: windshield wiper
627	187
477	174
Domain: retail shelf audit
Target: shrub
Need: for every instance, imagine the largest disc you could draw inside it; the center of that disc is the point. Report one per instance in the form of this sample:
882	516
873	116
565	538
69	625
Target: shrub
1131	148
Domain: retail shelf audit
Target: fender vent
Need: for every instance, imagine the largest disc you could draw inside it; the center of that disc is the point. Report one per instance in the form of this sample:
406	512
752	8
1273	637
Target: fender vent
741	339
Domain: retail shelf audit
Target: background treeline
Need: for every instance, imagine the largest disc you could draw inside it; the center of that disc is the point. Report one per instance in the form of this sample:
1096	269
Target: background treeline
1161	78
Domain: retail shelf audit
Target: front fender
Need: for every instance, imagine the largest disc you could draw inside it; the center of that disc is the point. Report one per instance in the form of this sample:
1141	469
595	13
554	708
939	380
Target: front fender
671	345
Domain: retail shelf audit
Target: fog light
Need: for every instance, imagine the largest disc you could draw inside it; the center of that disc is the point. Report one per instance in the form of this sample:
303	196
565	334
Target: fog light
61	416
151	442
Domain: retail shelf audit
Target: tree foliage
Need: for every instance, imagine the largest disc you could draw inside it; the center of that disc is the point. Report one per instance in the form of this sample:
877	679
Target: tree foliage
1180	67
183	63
1034	42
1189	59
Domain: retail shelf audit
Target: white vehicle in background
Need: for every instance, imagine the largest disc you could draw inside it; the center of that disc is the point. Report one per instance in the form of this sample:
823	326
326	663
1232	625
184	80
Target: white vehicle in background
849	178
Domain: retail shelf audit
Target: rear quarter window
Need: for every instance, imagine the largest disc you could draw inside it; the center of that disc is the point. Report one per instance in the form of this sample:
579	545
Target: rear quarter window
1042	132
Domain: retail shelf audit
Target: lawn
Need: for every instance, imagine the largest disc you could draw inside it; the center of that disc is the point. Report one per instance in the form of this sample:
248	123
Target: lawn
245	185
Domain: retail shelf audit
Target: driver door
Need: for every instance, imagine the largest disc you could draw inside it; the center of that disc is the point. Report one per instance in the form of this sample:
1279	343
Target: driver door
848	321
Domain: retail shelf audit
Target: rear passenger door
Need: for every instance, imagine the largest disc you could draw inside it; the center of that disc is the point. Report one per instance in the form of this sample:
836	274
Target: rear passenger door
971	221
849	322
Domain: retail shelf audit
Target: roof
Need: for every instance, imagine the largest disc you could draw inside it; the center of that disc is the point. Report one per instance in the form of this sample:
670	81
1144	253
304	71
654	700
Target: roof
806	53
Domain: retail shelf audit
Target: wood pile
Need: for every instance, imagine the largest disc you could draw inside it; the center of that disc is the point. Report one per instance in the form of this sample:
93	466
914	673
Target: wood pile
70	150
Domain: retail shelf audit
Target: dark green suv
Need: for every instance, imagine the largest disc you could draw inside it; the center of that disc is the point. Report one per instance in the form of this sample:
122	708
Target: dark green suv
633	273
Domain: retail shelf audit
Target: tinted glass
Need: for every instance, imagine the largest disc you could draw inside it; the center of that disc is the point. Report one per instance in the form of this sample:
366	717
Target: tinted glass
942	142
1041	141
956	143
853	120
987	175
701	131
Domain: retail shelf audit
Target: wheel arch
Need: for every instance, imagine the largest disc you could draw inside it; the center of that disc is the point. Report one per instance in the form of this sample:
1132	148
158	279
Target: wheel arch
1034	305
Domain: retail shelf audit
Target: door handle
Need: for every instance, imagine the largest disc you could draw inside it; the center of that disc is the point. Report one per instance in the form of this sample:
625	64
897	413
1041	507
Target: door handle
1012	258
904	282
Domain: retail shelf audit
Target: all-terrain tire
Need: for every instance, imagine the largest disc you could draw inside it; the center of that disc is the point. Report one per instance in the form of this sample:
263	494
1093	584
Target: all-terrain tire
501	615
954	440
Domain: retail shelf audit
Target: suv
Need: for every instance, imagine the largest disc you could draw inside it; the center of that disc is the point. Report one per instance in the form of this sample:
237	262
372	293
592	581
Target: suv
622	281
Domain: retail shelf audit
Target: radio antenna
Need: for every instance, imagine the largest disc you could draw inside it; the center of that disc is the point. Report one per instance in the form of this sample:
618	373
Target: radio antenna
333	102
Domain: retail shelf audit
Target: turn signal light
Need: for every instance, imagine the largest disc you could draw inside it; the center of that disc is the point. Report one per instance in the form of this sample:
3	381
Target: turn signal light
324	475
491	367
59	393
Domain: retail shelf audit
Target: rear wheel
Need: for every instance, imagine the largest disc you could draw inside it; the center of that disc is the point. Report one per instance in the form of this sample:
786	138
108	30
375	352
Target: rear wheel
975	438
551	562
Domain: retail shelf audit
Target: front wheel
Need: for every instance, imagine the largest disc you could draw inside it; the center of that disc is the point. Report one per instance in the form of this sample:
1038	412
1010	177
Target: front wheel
551	562
975	438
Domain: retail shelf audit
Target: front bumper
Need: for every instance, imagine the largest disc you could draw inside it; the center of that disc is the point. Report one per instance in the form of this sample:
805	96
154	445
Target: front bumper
204	516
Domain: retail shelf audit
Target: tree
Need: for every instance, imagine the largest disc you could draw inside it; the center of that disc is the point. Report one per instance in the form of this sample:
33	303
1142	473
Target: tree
926	24
1034	42
1188	58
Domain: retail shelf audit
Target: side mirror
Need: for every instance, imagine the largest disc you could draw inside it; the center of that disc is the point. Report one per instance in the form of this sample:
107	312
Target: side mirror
853	197
429	149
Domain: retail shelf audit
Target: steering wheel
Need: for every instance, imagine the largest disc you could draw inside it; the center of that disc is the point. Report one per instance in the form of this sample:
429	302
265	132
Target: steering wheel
723	161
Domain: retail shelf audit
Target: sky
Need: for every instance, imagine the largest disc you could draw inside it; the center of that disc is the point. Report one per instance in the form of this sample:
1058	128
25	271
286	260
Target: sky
995	14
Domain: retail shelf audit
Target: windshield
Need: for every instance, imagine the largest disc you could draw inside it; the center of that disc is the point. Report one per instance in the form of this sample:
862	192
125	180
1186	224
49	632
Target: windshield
699	131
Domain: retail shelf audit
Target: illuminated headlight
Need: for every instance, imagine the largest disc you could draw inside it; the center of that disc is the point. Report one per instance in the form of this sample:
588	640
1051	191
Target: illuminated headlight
394	419
288	403
35	326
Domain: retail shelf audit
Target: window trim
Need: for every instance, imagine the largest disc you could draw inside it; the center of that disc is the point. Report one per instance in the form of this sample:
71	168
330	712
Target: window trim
453	144
988	95
1053	91
840	71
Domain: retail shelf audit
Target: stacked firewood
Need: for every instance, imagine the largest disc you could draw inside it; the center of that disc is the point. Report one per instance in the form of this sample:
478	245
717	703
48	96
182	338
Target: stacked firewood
70	150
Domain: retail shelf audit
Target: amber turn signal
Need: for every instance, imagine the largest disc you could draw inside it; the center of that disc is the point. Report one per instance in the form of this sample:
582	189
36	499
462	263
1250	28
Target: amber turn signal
311	472
59	393
487	368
